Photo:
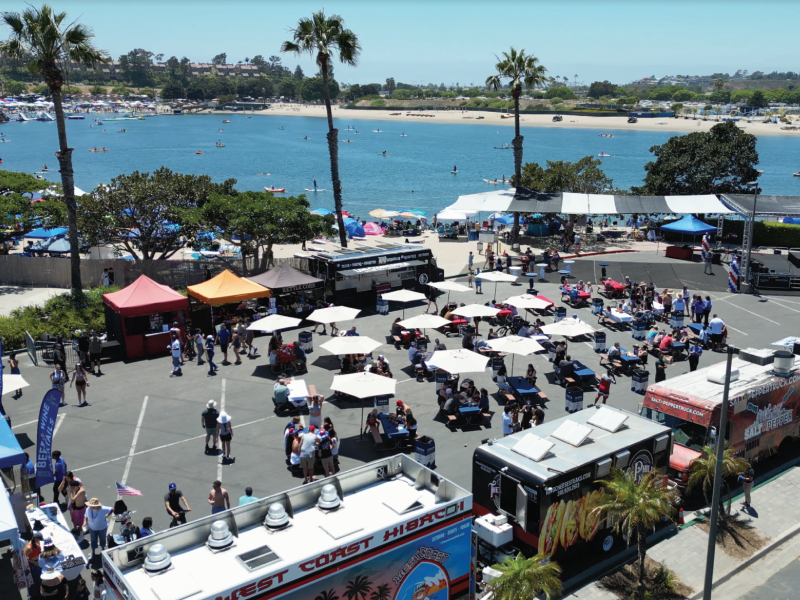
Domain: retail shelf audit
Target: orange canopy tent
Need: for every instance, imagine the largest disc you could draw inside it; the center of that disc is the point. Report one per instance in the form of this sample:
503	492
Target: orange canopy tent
225	288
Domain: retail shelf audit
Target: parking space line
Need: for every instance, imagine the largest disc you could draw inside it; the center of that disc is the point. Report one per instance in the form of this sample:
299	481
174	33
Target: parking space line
221	409
26	423
783	305
133	444
744	309
58	423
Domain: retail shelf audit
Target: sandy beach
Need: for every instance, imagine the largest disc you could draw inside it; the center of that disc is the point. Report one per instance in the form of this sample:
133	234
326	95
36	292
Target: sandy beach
493	119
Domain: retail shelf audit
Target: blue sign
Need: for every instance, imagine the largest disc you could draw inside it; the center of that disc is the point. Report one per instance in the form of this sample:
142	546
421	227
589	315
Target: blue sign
44	440
2	410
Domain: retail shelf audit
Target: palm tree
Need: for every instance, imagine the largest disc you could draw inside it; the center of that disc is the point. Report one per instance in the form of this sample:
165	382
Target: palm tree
42	36
636	507
327	595
323	36
526	578
520	69
702	469
358	588
382	592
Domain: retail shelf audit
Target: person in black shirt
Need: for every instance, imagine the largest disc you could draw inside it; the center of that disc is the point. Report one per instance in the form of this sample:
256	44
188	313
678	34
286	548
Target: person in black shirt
172	501
83	347
208	421
566	368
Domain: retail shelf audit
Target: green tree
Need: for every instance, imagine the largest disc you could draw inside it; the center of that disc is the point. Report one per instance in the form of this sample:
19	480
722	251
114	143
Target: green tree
743	97
287	88
401	95
220	59
151	215
584	176
14	88
323	37
719	161
598	89
561	92
720	96
683	96
121	90
298	73
636	507
759	100
137	67
43	37
98	90
390	85
312	90
677	108
664	93
703	468
260	63
149	92
718	84
521	70
172	90
16	191
327	595
526	578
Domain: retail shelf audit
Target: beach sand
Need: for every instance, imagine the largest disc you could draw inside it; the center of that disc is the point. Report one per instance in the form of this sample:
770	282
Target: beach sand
493	119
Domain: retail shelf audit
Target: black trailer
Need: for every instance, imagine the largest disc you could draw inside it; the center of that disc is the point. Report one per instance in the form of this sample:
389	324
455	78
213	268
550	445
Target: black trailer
355	276
544	482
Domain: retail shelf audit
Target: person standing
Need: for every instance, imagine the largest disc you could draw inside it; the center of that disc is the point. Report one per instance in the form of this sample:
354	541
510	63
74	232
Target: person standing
470	260
81	380
707	258
97	517
208	421
747	485
198	344
315	411
325	452
236	343
223	339
59	358
210	355
175	348
95	352
706	310
13	365
83	347
225	432
695	350
172	500
716	327
111	276
661	367
104	278
249	336
58	379
478	282
32	550
308	453
248	497
218	498
59	471
77	505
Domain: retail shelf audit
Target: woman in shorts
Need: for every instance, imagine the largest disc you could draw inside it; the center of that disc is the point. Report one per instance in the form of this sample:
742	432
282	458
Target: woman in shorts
225	431
236	342
58	379
80	379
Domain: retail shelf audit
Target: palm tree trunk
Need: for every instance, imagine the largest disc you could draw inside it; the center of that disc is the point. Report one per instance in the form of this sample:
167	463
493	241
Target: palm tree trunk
244	261
333	150
517	144
641	546
54	81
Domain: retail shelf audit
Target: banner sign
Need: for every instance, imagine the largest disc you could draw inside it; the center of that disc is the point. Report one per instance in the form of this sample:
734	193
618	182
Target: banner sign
44	440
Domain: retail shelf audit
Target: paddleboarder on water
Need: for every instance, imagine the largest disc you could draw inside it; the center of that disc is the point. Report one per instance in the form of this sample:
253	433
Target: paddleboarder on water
315	185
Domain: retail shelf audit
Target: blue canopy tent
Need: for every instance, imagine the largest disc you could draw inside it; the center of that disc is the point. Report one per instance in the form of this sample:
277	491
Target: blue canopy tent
690	226
791	221
353	228
11	454
42	233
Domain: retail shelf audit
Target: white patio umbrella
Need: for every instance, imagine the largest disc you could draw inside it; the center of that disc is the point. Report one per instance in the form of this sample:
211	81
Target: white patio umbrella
12	383
364	385
403	296
332	314
274	323
497	276
514	344
571	327
449	286
459	361
476	310
356	344
528	301
424	321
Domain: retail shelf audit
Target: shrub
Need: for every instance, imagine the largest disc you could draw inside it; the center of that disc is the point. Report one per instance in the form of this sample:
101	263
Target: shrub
378	102
663	579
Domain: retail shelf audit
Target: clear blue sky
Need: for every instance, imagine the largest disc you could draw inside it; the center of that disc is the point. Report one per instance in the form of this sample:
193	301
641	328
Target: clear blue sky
455	41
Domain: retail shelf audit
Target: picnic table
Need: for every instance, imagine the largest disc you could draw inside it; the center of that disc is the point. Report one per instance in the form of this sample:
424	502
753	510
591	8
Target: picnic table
393	431
582	372
298	392
619	317
287	355
522	390
628	361
613	288
471	413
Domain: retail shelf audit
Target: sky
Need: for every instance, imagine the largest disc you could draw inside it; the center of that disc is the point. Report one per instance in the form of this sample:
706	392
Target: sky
456	41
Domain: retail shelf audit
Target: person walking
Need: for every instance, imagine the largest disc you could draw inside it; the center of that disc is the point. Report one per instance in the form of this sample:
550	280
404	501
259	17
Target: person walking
83	346
77	505
97	517
706	310
478	282
431	295
236	343
747	485
198	344
716	327
603	389
225	432
325	452
210	355
172	500
223	339
175	348
248	497
218	498
315	411
707	258
695	350
59	357
13	365
59	471
95	351
81	380
470	260
249	336
58	379
208	421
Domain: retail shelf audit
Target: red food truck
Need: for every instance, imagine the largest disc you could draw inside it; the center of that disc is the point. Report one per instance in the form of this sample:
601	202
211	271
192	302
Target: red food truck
762	412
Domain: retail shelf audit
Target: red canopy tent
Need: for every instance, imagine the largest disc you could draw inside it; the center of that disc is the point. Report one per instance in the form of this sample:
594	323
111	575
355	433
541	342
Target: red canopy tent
136	316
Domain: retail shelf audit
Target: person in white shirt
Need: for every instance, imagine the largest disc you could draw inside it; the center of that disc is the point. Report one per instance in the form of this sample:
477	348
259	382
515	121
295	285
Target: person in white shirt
175	347
412	350
716	327
508	422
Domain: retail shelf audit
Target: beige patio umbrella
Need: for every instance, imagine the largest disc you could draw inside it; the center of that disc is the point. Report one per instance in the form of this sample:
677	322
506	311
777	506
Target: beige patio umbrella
12	383
363	385
514	344
476	310
449	286
458	361
274	323
424	321
377	213
497	276
403	296
569	328
528	301
356	344
332	314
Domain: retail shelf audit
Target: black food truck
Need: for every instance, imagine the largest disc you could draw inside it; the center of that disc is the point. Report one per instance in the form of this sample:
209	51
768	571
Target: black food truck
535	491
355	276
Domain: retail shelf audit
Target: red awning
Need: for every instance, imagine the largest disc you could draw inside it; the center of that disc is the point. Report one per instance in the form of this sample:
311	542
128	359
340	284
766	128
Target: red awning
145	297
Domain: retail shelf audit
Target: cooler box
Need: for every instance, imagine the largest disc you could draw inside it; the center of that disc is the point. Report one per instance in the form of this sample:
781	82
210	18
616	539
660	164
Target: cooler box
306	341
425	451
676	319
638	330
599	341
382	403
497	362
560	314
382	307
639	380
574	399
597	306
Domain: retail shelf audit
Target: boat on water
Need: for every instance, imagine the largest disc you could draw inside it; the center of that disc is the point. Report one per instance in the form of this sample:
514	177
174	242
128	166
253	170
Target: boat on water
124	118
43	116
98	149
796	174
220	145
606	135
503	147
76	117
275	190
603	153
225	121
198	152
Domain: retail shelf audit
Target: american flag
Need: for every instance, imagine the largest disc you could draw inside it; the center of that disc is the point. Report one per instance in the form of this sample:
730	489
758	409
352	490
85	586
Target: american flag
126	490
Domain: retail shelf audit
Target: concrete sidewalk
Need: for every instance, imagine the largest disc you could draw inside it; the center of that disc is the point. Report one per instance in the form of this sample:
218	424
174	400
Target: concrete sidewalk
14	296
775	514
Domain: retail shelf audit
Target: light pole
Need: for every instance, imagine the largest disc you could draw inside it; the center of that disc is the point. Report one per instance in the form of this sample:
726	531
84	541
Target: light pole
750	231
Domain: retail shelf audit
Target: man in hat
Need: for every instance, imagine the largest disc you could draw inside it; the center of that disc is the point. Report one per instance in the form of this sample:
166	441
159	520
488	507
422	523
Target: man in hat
208	421
97	517
172	500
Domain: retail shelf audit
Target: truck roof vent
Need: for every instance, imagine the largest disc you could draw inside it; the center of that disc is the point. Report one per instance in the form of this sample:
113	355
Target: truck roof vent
608	419
572	433
220	537
717	375
277	517
158	559
784	362
533	447
329	498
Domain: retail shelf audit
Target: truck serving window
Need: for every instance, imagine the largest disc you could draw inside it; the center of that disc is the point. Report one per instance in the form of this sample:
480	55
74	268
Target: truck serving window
685	433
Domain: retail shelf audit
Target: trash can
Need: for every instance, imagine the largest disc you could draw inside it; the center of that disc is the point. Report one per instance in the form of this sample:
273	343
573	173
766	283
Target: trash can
515	247
639	380
306	341
425	451
676	319
597	306
599	341
441	378
472	236
574	399
638	330
382	403
497	362
480	247
383	307
560	314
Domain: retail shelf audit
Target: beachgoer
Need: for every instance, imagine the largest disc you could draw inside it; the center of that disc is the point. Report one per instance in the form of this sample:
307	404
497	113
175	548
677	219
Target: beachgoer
225	432
80	379
218	498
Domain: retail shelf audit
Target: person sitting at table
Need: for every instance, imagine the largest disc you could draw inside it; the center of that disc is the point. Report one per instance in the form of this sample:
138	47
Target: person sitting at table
614	352
628	284
383	364
530	375
608	287
651	335
444	393
641	352
372	419
561	351
450	406
397	329
347	365
574	295
658	339
438	345
524	330
626	307
467	342
412	351
554	259
588	288
606	314
483	400
492	335
476	397
273	357
566	368
352	332
280	392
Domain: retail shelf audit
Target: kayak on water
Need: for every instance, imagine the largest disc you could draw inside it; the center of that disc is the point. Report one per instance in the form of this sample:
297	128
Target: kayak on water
275	190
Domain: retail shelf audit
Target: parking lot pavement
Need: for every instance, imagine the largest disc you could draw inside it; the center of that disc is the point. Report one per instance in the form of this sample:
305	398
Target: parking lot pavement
143	426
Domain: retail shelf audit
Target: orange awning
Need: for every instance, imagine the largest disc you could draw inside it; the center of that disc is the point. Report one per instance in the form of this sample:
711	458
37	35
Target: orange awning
226	288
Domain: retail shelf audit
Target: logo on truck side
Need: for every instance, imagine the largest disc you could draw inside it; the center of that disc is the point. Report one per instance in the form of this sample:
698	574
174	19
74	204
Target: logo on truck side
641	465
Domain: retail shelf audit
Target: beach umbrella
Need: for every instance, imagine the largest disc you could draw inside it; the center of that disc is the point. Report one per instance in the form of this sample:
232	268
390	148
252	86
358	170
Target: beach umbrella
403	296
449	286
424	321
351	344
333	314
459	361
451	215
408	215
514	344
497	276
569	328
476	310
528	301
321	212
274	323
419	213
12	383
377	213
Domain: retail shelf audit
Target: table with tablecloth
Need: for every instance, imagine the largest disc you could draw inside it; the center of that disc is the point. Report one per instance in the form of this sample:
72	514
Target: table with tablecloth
619	317
298	392
287	355
615	288
71	561
582	372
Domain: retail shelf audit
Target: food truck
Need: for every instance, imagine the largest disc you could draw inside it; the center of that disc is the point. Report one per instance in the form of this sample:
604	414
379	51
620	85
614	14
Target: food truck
762	412
535	491
392	528
355	276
